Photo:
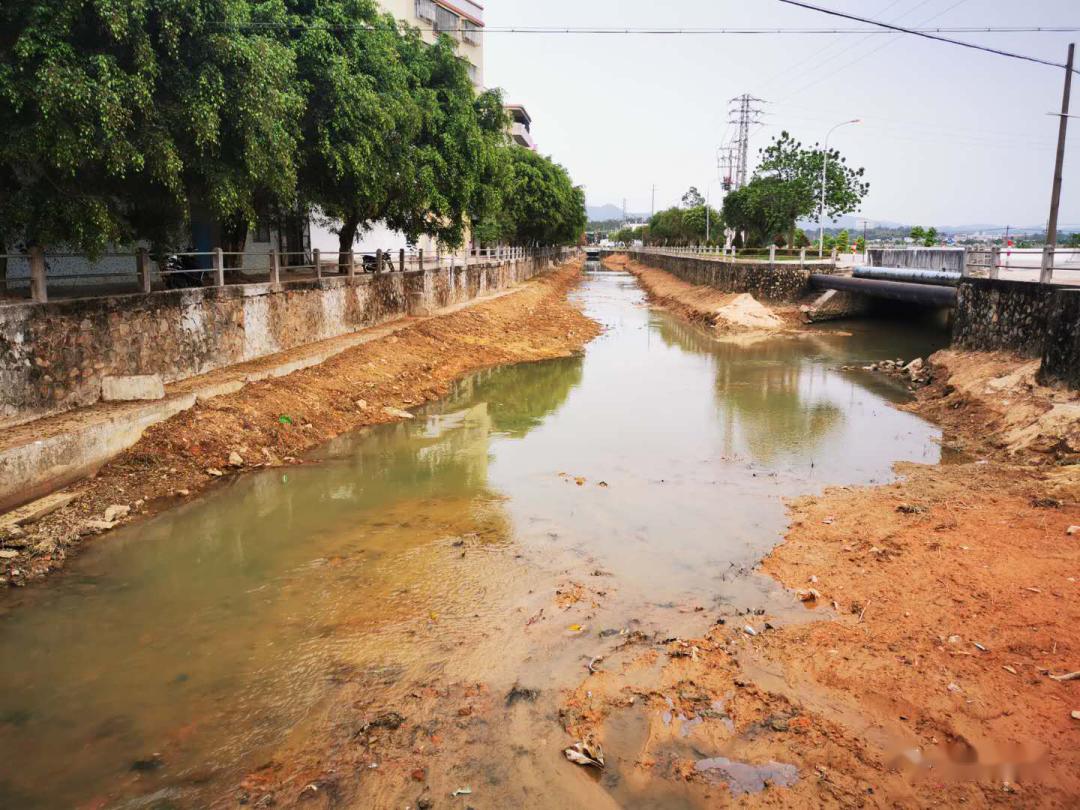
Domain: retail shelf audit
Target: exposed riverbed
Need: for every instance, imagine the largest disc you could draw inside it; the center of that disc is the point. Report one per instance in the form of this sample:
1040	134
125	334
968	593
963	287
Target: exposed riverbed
178	654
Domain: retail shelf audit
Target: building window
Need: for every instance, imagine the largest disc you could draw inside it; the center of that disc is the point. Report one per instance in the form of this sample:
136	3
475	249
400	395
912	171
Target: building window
474	74
446	21
470	32
425	10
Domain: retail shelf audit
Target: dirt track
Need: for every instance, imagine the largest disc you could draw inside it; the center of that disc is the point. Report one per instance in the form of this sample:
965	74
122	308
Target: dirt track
274	421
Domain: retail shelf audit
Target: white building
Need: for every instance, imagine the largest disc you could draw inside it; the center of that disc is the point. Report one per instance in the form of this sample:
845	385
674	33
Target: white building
521	126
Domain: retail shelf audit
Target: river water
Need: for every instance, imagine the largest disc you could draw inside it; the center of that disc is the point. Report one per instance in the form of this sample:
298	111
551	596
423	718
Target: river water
172	655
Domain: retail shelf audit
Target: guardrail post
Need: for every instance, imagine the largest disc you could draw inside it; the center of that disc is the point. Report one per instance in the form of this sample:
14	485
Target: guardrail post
316	258
772	255
275	267
350	269
1046	271
378	260
142	266
420	258
833	255
965	269
219	268
995	261
401	260
802	258
38	287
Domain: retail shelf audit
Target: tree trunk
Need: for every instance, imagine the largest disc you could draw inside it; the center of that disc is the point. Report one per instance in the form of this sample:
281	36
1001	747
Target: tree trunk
3	269
346	240
234	232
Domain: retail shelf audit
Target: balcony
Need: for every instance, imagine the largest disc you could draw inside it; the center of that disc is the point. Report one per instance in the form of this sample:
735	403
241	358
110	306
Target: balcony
521	135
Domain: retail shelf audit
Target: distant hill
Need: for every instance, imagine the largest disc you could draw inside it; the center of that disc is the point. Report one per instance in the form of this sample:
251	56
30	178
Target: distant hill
606	213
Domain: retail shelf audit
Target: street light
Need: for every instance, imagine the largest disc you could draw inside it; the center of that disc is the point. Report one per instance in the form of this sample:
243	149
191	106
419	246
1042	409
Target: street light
824	165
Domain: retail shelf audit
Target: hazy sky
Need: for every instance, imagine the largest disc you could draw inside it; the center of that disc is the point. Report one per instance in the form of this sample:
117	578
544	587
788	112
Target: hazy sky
950	135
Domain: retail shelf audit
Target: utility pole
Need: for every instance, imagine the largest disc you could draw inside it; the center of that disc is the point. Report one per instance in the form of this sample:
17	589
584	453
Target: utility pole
652	208
743	115
1047	270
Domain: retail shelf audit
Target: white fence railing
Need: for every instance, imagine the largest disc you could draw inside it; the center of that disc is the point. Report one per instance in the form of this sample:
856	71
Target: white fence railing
38	275
773	255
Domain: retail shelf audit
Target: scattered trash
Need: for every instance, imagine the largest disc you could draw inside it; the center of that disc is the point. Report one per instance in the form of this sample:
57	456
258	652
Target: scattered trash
183	493
603	484
1046	503
517	693
465	791
610	631
829	521
285	420
150	763
911	509
592	664
1076	715
389	720
979	646
214	472
1010	670
750	631
1070	676
1072	530
952	687
808	595
1032	589
586	753
575	629
397	413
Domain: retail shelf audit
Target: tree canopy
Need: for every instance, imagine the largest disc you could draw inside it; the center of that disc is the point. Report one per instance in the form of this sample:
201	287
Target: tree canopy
787	186
145	121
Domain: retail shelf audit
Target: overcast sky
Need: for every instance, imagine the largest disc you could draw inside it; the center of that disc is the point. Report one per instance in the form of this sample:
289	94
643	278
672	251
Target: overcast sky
950	136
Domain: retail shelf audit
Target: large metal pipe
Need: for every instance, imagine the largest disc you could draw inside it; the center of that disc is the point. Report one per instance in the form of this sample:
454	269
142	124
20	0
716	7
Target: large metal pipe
930	295
912	274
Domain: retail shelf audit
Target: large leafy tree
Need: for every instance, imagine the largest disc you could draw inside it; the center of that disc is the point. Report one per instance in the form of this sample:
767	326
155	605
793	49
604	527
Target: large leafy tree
761	210
540	204
120	120
799	171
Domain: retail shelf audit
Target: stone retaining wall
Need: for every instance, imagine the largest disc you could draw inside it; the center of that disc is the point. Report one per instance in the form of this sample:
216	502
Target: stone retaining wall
779	282
54	356
1061	353
999	315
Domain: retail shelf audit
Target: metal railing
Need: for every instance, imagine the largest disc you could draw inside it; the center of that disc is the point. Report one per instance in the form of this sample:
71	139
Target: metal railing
1020	262
40	276
772	255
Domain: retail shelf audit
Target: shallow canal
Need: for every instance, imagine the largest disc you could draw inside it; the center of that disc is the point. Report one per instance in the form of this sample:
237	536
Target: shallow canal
175	654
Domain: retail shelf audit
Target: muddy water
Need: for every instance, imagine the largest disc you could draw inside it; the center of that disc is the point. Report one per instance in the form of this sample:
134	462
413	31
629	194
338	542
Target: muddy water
180	652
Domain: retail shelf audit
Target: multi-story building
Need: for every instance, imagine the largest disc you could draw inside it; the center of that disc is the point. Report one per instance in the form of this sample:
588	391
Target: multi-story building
461	19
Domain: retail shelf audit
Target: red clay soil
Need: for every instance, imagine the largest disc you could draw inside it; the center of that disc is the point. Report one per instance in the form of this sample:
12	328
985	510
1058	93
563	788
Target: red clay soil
274	421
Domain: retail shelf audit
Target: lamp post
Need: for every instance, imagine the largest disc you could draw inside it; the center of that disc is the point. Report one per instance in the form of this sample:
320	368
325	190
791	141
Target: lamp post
824	166
708	208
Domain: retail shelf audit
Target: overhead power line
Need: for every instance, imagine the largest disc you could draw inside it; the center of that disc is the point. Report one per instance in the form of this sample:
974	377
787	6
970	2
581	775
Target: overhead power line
922	33
654	31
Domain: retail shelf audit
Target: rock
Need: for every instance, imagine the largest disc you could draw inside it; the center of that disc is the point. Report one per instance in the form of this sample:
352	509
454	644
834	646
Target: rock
235	459
183	493
424	804
397	413
1076	715
131	388
35	510
94	526
8	554
808	595
214	472
915	367
361	404
115	512
1072	530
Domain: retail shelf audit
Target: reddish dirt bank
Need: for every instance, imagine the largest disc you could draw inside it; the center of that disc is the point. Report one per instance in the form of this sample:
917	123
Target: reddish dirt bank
272	422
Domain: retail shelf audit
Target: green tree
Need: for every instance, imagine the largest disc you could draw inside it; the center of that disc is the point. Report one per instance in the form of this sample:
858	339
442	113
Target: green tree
1072	240
799	170
860	244
801	239
931	237
692	198
918	234
761	210
540	203
843	240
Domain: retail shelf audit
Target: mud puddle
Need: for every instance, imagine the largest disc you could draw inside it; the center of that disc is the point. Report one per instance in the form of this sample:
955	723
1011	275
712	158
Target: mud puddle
509	537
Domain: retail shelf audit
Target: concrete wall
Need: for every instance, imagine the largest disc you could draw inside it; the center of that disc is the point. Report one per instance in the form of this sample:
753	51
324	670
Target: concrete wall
1061	352
998	315
780	282
53	356
951	259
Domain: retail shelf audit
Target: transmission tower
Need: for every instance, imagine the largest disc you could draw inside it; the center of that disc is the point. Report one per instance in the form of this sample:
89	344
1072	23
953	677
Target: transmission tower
744	114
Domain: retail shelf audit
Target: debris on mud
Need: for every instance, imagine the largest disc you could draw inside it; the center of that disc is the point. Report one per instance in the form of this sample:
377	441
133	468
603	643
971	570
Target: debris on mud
586	752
